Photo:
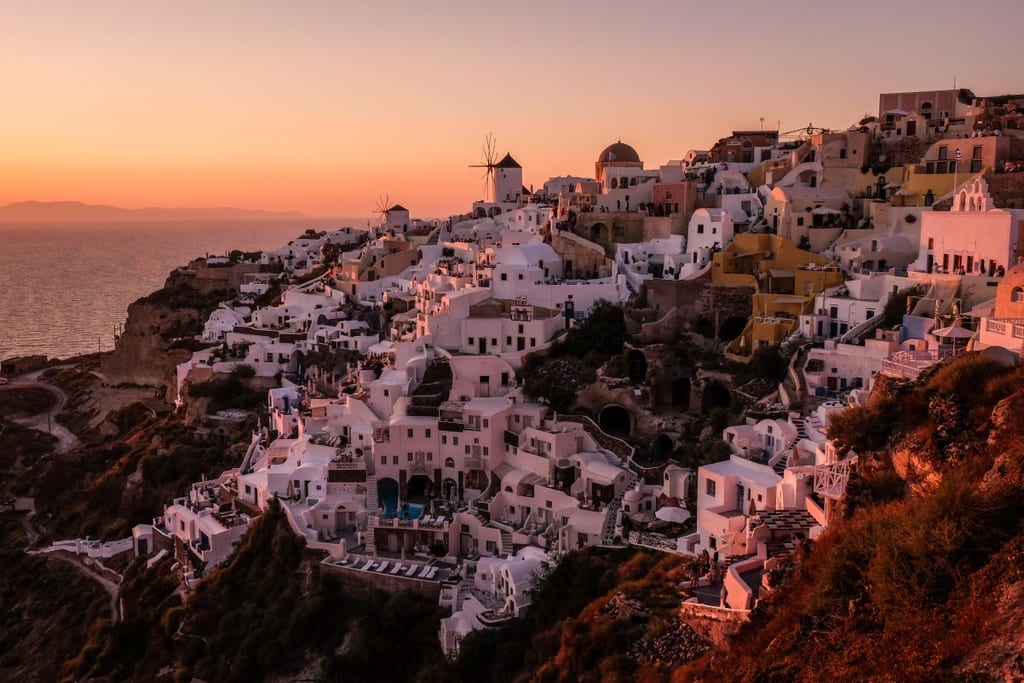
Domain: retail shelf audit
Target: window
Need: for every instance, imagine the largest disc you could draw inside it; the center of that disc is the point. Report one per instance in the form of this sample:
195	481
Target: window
943	153
504	276
487	423
494	342
508	341
842	153
520	276
444	439
700	228
470	341
467	449
455	441
1017	295
869	314
383	460
394	460
709	487
800	220
248	489
486	450
449	462
833	312
976	152
520	329
408	433
931	242
428	433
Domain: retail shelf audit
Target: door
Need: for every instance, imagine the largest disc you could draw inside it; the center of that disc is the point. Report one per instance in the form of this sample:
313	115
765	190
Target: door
482	344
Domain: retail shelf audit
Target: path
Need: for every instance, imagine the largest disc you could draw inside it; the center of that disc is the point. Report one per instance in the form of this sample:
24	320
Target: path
85	566
45	422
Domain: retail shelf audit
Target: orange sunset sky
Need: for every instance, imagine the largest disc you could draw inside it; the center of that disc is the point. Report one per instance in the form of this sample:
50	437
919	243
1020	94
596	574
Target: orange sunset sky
320	107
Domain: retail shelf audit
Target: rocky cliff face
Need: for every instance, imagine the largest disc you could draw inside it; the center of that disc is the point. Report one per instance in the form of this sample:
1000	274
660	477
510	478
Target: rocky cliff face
160	332
142	354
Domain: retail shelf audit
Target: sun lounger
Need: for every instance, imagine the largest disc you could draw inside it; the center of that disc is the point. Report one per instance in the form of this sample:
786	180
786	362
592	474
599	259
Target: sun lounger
367	565
412	569
432	572
426	570
383	566
398	568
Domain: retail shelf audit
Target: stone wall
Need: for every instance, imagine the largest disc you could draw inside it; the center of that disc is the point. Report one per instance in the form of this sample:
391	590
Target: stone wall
713	623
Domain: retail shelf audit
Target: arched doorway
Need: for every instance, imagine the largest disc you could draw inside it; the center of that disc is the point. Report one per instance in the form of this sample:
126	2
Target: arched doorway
387	494
681	393
636	363
420	487
615	420
732	327
597	231
715	395
663	447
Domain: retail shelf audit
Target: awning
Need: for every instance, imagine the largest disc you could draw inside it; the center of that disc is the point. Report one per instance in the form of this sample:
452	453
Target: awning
895	112
825	211
780	273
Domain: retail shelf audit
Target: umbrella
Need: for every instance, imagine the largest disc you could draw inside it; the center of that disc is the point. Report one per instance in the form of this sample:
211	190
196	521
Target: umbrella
672	514
642	517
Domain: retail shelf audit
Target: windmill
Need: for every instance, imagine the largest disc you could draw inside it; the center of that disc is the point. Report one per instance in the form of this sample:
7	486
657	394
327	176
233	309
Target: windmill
381	208
489	161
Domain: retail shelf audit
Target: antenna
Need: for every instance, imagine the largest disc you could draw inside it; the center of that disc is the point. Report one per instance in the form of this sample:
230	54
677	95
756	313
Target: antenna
488	163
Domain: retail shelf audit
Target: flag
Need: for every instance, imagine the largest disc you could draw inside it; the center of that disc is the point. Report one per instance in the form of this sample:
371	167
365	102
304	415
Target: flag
611	156
959	155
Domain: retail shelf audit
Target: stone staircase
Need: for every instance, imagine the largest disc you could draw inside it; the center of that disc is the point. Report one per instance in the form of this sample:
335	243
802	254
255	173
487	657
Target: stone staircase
612	513
506	544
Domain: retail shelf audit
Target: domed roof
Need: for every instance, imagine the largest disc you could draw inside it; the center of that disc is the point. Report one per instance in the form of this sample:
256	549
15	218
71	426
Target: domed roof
618	152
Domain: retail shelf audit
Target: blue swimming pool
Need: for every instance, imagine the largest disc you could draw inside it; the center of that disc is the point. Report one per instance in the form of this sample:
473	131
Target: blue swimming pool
408	511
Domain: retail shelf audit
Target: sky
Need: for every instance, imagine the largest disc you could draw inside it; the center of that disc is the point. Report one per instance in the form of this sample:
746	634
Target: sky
324	107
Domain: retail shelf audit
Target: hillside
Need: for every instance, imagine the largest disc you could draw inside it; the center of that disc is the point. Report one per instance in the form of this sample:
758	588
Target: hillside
63	212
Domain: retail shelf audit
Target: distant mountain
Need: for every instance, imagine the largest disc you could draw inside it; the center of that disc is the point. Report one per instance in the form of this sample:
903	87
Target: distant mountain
54	212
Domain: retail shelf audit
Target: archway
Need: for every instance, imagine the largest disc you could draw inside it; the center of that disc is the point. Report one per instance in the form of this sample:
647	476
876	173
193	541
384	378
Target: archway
615	420
663	447
681	393
450	488
387	494
420	487
715	395
731	327
598	231
636	363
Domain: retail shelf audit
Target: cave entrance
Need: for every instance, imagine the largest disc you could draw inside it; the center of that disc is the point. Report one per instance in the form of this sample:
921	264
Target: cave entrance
681	393
716	395
636	363
663	447
615	420
732	327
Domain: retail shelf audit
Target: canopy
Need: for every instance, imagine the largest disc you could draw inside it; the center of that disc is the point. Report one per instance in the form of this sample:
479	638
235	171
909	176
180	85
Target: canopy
895	112
824	211
673	514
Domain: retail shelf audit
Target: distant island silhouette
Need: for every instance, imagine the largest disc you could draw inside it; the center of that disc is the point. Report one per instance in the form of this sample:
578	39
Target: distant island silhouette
57	212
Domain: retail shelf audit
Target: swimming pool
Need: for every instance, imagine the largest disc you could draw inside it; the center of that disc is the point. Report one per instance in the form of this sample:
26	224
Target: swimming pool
387	493
413	510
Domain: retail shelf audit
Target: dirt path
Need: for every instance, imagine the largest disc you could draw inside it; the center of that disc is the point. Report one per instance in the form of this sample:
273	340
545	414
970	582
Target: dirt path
86	566
45	422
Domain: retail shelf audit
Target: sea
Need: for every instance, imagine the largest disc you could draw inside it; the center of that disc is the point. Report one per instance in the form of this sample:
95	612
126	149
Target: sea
65	288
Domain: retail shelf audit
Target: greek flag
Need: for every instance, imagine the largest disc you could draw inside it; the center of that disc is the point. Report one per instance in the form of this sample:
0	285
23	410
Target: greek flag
611	156
959	155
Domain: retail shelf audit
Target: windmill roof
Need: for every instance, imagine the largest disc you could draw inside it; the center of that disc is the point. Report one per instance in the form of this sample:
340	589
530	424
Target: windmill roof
508	162
397	207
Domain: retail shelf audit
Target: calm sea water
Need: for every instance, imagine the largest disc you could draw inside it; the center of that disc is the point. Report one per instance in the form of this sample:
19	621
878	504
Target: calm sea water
64	290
